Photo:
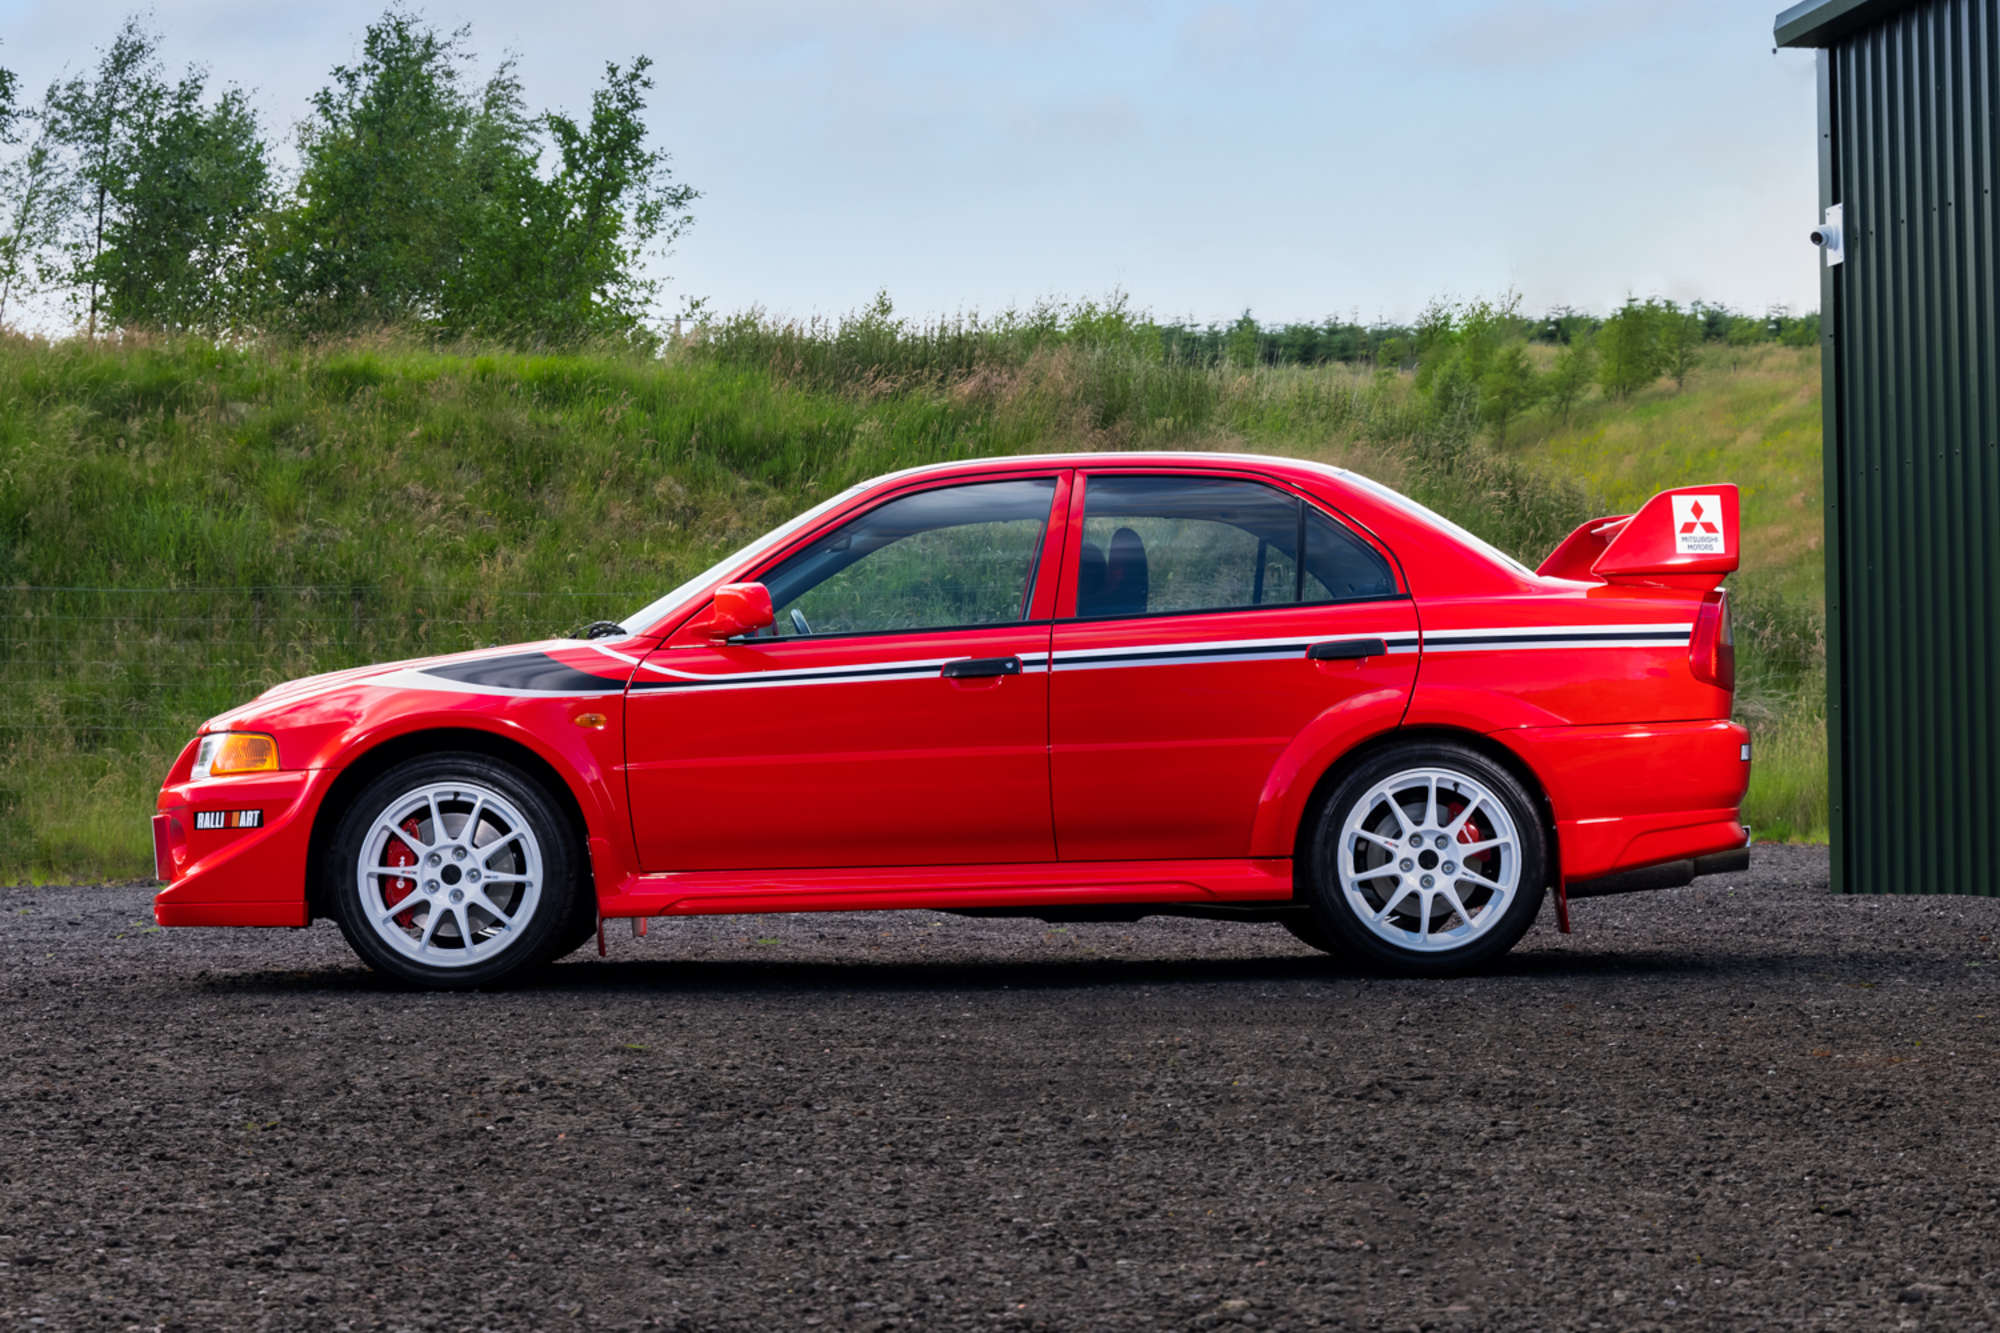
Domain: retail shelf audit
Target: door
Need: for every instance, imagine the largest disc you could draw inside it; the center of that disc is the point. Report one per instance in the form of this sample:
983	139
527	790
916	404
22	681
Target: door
896	714
1210	619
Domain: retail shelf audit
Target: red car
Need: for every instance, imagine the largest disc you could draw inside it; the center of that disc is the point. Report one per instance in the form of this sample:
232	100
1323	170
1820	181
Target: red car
1085	687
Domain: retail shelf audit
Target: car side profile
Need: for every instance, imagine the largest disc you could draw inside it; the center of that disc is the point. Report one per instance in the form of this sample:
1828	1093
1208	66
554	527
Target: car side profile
1078	687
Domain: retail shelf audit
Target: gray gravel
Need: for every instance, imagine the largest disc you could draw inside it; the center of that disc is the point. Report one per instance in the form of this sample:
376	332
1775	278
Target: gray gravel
1745	1103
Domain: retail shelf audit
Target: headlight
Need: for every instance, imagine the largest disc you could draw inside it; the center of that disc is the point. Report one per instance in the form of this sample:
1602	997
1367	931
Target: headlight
223	753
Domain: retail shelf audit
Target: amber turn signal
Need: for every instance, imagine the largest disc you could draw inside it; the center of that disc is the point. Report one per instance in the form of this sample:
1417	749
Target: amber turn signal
595	721
225	753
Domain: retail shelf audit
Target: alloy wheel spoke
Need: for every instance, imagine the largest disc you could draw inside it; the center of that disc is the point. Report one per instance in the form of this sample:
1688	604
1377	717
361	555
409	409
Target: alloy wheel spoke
437	820
492	909
1466	849
485	854
1402	818
470	828
431	920
1457	904
1431	805
1389	906
1479	879
1457	825
1389	845
1424	914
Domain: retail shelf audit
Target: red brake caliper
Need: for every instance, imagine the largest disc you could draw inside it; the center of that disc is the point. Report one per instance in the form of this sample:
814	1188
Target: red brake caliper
401	854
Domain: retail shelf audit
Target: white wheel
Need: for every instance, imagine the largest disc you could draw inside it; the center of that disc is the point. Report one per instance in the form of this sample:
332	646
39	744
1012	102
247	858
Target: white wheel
1429	859
449	874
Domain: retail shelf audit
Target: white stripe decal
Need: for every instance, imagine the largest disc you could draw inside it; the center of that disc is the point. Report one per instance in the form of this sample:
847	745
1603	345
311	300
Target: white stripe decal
1187	652
1539	631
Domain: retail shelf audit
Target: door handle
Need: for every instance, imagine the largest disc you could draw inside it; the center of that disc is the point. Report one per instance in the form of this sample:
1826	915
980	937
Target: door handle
1346	650
971	668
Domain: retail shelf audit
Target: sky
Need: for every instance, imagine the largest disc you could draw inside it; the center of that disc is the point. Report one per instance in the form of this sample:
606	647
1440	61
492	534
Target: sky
1299	160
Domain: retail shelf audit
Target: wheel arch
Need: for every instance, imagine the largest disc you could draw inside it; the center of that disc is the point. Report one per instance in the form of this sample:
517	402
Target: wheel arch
1482	743
379	758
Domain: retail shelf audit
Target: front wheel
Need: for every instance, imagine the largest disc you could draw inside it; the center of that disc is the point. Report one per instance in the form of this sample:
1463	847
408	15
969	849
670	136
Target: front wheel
454	870
1428	860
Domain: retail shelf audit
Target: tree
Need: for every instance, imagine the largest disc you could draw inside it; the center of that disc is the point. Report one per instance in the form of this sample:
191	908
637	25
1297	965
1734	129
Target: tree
418	203
1678	336
373	230
1507	388
9	87
1244	341
175	251
561	257
1627	350
95	120
1570	377
37	198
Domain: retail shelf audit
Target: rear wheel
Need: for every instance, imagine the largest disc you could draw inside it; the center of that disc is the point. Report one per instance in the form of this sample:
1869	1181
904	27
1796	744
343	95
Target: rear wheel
1428	860
454	870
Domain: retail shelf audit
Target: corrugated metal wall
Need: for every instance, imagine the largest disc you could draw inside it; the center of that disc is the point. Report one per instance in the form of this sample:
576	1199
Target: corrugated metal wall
1909	148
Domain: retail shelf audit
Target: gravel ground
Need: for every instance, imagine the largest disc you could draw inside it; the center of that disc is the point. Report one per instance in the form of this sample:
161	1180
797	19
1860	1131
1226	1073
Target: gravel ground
1743	1103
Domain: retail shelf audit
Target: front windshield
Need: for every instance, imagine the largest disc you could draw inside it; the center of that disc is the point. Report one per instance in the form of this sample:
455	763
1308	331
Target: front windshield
650	613
1432	517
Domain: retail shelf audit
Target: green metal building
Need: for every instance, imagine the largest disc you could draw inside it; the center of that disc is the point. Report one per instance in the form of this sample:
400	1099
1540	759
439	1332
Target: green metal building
1909	146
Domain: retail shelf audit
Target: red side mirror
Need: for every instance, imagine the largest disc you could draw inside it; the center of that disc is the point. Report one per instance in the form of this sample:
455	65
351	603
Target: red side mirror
739	608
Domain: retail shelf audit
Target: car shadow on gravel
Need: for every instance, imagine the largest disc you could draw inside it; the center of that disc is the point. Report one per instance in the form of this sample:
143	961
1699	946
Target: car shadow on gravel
775	976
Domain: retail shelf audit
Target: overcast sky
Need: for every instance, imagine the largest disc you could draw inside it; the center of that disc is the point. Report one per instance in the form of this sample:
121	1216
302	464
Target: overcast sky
1296	159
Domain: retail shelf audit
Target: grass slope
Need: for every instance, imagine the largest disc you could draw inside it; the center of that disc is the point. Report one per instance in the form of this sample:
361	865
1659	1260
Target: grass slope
182	524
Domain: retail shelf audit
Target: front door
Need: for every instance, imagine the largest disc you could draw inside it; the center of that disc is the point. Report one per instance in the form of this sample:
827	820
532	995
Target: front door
1188	665
896	715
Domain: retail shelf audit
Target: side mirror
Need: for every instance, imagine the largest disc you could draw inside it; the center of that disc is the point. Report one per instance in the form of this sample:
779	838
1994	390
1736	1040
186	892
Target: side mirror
739	608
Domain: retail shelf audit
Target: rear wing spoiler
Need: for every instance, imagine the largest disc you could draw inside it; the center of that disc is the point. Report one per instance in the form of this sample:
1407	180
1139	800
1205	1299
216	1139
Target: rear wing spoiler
1683	538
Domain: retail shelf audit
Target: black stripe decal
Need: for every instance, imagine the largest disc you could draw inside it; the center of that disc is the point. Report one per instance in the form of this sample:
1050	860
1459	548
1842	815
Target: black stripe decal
524	671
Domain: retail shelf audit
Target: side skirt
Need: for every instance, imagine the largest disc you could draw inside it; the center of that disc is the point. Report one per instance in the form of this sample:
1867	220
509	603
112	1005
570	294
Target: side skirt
1014	889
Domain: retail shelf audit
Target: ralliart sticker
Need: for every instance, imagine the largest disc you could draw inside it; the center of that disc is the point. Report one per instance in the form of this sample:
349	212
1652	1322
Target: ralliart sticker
1698	525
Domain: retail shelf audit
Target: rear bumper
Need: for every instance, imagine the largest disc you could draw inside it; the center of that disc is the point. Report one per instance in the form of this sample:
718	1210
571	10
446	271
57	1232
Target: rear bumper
1648	794
1662	875
235	876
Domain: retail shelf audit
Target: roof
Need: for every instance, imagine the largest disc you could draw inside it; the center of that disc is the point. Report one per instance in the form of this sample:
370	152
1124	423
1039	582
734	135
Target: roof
1824	22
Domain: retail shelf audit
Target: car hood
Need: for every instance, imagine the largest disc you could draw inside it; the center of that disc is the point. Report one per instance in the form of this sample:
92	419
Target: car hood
546	667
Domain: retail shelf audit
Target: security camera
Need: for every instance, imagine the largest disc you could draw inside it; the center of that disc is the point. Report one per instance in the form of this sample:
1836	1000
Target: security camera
1828	238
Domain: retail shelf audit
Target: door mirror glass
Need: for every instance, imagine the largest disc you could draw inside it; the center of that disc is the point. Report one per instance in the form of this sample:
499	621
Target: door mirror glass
739	608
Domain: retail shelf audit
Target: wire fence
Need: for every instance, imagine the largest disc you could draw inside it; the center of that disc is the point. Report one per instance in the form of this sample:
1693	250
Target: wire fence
138	667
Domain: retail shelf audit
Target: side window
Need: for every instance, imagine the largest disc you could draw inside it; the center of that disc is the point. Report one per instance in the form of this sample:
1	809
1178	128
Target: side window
1164	544
1340	567
938	559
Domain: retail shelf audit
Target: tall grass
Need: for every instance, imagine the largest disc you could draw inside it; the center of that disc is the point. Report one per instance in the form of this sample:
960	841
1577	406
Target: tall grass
183	524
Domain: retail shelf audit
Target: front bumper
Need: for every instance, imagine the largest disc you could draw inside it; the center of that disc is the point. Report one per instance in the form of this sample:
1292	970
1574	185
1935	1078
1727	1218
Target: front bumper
235	876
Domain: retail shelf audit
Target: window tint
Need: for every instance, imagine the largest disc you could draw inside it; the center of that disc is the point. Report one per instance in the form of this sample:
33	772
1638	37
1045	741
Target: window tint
1164	544
958	555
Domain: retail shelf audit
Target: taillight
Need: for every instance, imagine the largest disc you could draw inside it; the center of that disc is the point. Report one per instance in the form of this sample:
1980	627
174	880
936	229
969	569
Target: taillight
1712	651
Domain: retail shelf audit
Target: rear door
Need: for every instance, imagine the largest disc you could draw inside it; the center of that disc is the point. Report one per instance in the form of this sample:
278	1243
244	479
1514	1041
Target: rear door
896	715
1193	644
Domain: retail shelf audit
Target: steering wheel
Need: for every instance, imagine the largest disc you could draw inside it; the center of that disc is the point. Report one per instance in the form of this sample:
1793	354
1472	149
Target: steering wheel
799	621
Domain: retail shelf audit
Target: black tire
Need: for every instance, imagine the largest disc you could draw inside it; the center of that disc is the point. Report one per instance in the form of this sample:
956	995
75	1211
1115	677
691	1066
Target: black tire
580	929
1354	937
530	940
1305	928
